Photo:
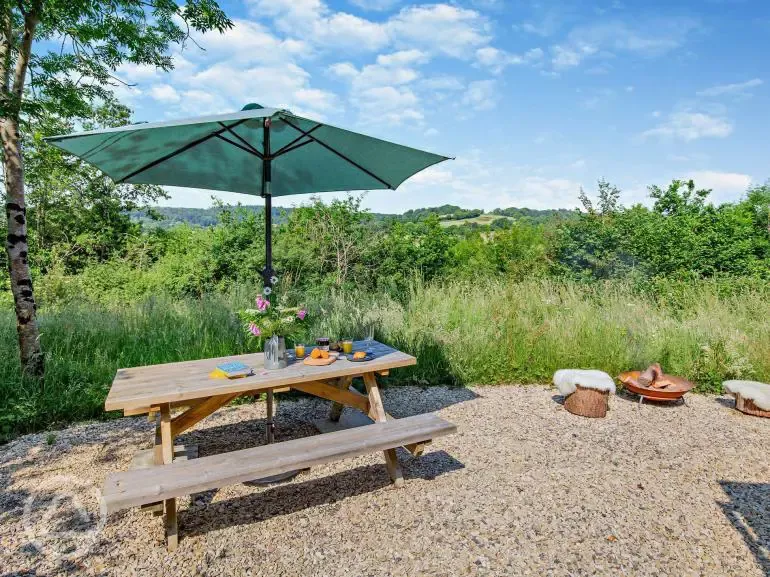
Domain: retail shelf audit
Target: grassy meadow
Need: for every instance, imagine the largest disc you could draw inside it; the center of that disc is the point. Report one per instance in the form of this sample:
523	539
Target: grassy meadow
462	333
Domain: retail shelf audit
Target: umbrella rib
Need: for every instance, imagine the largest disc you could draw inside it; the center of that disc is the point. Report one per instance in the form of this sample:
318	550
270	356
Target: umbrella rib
243	140
289	147
338	153
178	151
286	150
244	148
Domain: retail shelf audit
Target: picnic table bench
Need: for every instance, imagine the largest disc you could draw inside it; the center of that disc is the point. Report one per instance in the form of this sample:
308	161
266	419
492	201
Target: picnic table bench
159	389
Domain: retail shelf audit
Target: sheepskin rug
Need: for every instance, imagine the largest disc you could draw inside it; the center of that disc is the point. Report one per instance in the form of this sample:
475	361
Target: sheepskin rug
753	390
567	379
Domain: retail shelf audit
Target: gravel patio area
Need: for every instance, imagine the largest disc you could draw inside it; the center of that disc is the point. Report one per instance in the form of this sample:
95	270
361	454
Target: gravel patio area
524	488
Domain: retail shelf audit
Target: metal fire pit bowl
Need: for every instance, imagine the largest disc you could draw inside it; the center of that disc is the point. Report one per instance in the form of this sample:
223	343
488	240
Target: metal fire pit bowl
675	390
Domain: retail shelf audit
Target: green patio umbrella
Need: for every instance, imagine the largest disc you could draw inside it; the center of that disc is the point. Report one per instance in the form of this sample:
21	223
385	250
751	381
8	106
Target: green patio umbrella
261	151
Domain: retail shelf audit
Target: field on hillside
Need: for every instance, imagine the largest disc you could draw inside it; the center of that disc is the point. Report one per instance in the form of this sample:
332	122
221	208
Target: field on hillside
484	219
462	333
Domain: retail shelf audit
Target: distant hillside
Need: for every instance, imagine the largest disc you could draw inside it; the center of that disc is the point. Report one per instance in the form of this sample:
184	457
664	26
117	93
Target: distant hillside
449	214
445	212
203	217
534	214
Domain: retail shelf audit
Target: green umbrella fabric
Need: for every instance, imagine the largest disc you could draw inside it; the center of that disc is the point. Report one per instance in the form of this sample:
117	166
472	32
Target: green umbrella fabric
227	153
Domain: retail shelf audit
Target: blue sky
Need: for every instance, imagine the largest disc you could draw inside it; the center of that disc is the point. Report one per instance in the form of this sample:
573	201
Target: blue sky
534	99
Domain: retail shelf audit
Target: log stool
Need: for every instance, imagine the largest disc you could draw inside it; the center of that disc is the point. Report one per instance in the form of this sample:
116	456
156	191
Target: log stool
751	397
586	392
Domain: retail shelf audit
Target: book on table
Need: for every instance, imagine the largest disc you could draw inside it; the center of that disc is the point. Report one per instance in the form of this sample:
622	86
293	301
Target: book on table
231	370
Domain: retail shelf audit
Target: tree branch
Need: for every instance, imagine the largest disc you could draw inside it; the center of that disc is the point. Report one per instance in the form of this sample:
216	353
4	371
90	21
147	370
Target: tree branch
5	50
31	19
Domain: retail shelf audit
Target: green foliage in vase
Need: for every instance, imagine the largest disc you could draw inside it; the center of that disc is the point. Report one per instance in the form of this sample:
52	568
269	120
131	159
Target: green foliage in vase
273	316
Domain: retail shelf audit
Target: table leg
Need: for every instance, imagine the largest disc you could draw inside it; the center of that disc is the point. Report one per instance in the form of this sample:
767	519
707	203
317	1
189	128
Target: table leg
270	434
335	412
377	413
167	443
270	425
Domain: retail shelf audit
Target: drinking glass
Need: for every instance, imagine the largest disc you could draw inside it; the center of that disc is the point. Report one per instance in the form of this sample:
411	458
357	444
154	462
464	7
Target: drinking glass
299	350
368	342
347	346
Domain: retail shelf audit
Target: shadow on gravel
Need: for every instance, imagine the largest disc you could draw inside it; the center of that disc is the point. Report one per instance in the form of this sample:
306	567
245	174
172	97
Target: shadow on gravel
202	517
727	402
749	512
294	421
629	397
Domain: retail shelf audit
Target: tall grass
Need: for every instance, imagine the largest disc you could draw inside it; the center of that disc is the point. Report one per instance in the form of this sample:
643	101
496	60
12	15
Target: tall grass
462	333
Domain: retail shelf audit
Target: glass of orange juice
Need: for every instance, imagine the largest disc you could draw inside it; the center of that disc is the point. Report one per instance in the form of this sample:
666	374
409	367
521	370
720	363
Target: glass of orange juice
347	346
299	350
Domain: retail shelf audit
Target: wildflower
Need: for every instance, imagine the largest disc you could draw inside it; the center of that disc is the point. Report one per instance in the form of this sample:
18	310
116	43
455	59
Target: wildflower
262	304
267	290
301	314
254	330
273	279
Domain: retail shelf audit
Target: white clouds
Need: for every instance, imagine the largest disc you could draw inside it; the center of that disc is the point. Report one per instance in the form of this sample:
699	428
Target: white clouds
651	38
379	91
689	126
737	89
282	85
314	21
164	93
442	84
376	5
569	57
724	182
249	41
138	73
316	99
497	60
387	104
403	57
406	41
548	192
245	64
645	38
343	70
478	181
434	28
481	95
440	28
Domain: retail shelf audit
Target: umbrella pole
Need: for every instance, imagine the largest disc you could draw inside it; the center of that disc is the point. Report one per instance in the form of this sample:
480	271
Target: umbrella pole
267	273
268	270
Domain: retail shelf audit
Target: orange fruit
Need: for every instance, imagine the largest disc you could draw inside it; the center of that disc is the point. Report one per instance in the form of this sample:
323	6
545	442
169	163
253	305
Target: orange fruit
315	354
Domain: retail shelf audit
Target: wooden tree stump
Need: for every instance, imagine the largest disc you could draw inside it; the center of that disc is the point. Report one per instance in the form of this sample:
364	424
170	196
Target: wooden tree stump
747	406
587	402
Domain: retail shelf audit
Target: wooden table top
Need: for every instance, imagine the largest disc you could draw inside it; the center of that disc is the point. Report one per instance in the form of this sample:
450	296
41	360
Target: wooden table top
139	387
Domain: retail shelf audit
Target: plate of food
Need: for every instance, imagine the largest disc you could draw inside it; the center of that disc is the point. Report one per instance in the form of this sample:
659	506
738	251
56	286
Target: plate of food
319	357
360	357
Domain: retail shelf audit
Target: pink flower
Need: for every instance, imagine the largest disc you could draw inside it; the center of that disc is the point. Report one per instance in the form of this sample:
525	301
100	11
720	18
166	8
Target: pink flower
301	314
262	304
254	330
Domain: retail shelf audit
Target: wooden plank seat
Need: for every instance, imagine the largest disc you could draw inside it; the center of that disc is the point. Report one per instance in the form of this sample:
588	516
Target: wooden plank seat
142	486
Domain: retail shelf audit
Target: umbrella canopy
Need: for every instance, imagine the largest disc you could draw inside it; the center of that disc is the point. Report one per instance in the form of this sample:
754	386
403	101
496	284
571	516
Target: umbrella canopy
261	151
230	152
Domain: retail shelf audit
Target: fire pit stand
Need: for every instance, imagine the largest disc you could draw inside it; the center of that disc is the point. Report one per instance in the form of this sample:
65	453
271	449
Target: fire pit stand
674	391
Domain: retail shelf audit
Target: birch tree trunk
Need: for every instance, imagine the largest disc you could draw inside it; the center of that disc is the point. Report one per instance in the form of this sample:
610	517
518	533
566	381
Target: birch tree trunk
17	249
15	208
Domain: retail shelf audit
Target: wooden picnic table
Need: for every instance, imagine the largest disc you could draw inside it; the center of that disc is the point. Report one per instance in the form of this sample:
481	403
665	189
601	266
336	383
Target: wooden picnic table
160	389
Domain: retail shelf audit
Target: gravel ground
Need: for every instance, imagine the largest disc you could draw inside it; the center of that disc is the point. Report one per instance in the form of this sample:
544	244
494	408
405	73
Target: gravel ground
524	488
